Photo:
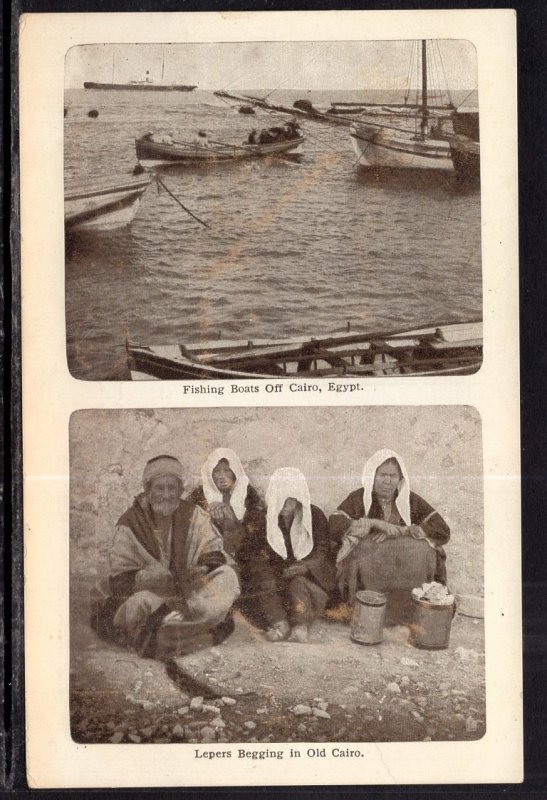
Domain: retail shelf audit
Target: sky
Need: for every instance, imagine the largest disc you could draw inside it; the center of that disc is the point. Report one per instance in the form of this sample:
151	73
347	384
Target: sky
270	65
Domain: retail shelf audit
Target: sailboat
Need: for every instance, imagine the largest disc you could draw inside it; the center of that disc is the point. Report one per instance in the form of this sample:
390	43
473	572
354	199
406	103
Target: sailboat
422	147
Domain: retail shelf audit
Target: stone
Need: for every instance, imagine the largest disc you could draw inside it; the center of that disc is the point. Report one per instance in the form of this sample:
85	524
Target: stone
465	655
409	662
229	701
261	710
393	687
471	725
196	702
318	712
134	737
207	733
405	681
205	707
301	728
147	731
322	704
117	737
300	710
183	710
250	725
178	730
217	723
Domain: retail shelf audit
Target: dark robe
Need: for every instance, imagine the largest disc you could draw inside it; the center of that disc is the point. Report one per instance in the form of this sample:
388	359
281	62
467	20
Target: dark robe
319	563
421	513
245	541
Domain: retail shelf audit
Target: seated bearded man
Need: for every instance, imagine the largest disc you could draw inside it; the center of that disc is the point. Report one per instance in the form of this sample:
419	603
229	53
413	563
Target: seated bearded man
388	537
171	583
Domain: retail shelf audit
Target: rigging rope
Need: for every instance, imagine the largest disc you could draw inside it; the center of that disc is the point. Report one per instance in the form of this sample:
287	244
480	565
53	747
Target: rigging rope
169	192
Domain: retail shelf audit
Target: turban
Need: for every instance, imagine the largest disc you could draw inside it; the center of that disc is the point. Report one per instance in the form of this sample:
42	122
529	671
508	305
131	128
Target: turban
160	466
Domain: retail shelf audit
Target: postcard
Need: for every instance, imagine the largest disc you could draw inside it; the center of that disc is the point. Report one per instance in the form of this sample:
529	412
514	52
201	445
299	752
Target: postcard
270	398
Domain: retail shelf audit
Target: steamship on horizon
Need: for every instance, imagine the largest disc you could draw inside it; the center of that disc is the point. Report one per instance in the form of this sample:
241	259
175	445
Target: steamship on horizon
147	85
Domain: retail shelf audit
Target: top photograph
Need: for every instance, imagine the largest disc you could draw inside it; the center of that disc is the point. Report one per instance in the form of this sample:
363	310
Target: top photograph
272	209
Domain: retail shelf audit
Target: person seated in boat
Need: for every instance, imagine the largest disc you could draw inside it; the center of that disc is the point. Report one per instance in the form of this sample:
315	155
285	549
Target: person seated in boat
159	138
251	139
270	135
292	130
239	514
298	544
171	583
386	536
201	139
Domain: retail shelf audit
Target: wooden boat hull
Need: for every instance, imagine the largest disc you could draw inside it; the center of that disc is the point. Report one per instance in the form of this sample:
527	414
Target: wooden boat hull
153	154
104	208
377	147
453	349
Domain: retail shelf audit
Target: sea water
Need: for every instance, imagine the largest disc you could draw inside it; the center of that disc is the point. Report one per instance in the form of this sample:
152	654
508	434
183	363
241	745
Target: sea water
288	248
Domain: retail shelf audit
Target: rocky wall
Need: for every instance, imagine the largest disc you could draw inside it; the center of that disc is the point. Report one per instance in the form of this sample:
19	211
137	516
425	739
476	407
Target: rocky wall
440	445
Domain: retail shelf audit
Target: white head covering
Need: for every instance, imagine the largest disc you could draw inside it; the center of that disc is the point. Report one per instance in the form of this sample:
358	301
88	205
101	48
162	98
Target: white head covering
289	482
239	491
402	501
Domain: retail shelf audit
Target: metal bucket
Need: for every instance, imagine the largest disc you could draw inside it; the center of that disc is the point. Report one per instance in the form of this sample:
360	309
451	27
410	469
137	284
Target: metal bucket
367	625
430	629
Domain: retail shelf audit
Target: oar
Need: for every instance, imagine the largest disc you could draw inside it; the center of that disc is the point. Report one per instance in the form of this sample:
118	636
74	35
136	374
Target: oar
169	192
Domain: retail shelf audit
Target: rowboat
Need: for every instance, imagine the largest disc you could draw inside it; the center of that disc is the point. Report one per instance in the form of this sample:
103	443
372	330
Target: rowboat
104	208
156	154
440	349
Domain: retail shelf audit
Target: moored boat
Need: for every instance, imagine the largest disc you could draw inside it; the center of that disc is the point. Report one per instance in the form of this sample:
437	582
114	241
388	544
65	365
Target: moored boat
152	154
445	349
105	207
397	147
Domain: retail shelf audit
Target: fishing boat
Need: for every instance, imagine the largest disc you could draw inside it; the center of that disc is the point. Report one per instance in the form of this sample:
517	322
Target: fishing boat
418	146
444	349
104	208
153	154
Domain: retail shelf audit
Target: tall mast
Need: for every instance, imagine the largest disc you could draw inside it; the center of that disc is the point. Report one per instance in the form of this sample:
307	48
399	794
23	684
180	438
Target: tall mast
425	112
113	64
162	64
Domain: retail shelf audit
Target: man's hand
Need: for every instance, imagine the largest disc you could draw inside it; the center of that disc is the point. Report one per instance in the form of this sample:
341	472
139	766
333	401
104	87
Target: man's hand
381	530
154	578
360	527
221	511
294	570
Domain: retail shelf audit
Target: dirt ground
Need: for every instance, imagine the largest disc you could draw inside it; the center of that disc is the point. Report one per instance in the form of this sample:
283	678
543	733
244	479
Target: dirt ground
249	690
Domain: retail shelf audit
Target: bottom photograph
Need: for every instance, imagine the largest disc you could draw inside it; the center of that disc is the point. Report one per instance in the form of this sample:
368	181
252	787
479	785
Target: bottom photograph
263	575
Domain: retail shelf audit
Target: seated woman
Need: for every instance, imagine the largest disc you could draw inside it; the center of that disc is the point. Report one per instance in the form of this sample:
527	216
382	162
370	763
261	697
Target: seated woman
297	535
388	537
239	515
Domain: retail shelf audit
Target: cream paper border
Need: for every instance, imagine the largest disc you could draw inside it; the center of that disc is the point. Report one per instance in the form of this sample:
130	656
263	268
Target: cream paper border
50	395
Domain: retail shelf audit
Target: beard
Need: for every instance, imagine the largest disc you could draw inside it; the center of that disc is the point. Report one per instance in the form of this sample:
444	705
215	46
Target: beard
164	508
